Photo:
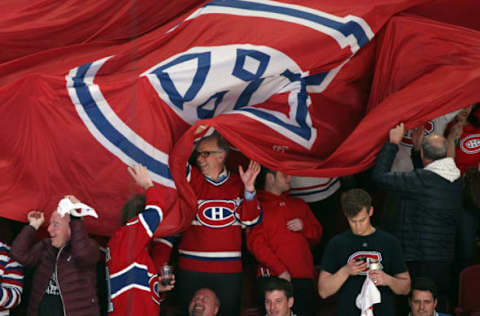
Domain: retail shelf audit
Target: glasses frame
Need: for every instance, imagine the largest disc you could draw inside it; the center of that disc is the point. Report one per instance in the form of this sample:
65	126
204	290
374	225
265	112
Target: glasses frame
207	153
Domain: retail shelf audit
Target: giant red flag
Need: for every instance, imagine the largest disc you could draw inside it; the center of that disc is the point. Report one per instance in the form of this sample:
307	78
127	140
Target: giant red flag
287	82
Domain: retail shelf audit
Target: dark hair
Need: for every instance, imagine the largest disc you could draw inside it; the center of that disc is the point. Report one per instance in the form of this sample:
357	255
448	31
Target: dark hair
134	206
474	118
423	284
262	178
431	150
274	283
354	200
472	188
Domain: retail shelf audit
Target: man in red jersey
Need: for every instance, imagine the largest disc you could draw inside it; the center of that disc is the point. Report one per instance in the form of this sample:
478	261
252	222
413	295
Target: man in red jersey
210	249
136	286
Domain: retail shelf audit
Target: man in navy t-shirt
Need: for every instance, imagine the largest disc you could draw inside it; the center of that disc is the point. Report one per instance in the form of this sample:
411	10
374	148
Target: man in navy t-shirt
347	258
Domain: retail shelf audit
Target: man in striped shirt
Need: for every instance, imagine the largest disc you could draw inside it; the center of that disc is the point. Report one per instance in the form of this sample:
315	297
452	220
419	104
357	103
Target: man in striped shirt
11	278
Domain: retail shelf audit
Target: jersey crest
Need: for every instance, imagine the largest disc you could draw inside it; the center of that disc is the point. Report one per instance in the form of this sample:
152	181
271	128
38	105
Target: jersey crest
470	144
367	256
216	213
407	138
154	288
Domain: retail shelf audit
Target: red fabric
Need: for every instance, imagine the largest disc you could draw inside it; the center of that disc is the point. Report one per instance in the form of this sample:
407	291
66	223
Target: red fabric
48	149
29	27
275	246
462	12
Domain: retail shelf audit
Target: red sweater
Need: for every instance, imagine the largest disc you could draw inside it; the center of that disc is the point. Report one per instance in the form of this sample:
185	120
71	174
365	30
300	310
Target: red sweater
213	242
278	248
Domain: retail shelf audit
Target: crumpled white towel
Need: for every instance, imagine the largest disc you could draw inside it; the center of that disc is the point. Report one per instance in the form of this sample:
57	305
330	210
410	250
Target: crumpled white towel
368	296
76	209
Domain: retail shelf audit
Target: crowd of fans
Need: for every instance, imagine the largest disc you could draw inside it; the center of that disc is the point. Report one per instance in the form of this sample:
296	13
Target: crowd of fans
413	223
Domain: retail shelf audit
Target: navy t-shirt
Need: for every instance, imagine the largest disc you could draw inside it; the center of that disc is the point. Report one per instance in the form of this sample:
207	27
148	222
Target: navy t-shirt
380	246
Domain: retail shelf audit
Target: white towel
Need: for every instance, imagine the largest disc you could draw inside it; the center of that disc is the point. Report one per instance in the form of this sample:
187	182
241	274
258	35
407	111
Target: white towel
368	296
67	206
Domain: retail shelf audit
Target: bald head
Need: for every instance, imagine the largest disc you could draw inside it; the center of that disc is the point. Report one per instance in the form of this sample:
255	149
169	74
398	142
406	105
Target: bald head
204	303
434	147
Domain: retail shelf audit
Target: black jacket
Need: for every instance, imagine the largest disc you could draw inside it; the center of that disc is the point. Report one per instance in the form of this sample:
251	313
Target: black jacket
428	210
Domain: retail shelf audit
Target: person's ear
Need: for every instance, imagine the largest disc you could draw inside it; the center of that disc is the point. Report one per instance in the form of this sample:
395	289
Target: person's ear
435	303
290	302
370	211
216	310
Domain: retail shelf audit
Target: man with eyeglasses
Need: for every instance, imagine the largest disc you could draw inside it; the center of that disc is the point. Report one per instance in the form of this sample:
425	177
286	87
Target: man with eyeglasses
210	249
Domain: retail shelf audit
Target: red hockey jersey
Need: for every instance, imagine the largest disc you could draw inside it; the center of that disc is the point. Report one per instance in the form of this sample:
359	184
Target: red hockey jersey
214	240
133	276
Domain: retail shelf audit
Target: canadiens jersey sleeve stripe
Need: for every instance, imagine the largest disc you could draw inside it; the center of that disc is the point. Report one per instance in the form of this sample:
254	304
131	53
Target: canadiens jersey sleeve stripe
151	220
134	276
188	172
166	240
216	255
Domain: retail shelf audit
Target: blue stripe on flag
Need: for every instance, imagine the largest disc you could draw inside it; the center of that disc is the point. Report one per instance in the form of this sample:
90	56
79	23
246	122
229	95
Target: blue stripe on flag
109	131
349	28
302	129
315	79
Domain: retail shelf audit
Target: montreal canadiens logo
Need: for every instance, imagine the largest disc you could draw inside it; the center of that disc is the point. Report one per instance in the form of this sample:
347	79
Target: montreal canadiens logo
216	213
153	283
366	256
470	144
407	138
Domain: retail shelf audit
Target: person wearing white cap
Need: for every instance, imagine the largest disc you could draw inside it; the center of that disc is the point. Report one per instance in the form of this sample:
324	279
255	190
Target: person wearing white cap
64	282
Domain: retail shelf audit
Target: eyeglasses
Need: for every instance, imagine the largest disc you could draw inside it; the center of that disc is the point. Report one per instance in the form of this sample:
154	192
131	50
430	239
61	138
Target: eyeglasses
205	154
